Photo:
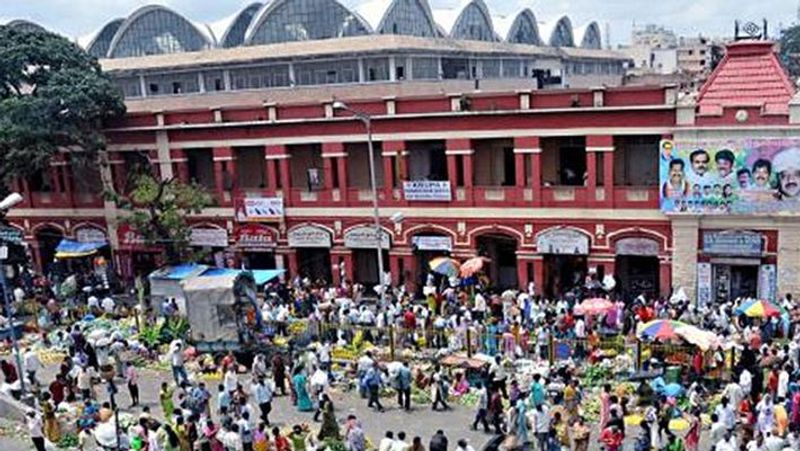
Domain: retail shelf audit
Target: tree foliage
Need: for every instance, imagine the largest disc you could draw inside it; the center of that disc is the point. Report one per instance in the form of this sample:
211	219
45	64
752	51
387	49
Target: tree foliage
53	96
157	209
790	50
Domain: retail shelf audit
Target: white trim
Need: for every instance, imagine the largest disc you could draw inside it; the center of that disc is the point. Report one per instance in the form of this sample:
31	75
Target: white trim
460	152
224	158
173	160
277	157
335	155
528	151
600	149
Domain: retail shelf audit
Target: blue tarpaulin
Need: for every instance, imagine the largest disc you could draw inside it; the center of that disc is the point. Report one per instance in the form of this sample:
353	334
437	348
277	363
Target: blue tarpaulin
178	272
261	276
71	249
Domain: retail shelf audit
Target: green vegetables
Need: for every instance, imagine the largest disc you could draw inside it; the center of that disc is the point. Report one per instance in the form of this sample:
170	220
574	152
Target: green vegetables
595	376
69	441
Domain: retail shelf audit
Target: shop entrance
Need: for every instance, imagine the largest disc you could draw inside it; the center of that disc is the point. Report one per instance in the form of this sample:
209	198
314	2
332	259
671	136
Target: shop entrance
48	239
563	273
637	275
365	267
735	281
501	250
260	260
314	263
426	248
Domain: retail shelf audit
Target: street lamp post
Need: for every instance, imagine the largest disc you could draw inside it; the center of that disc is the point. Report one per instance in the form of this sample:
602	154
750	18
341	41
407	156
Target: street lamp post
367	120
11	200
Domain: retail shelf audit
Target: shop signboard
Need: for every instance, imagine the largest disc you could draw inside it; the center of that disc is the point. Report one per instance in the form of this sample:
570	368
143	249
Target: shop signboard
432	243
767	282
208	237
363	237
563	242
255	238
703	284
732	242
90	235
129	237
735	176
309	236
259	209
427	191
644	247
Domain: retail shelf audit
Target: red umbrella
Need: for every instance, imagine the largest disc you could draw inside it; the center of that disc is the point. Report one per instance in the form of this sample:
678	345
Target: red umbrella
594	307
472	266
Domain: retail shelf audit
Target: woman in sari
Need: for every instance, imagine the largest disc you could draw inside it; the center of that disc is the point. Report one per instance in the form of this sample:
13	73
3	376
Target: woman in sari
165	399
329	428
51	430
522	423
300	384
692	439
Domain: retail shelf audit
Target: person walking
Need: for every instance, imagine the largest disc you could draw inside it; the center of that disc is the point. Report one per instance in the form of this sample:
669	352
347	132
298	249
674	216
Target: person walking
404	387
131	378
438	442
373	383
36	430
483	408
263	392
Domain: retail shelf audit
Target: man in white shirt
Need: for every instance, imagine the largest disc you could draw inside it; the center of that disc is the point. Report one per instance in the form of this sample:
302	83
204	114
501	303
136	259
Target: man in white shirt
783	383
400	444
176	361
746	381
386	442
32	364
773	442
108	305
36	430
728	443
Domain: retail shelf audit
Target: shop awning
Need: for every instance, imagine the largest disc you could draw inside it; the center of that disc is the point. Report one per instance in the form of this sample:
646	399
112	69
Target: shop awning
261	276
74	249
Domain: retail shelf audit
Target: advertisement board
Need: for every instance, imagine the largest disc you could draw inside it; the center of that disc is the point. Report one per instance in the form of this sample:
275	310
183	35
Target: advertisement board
208	237
255	238
309	236
563	242
741	176
427	191
767	282
363	237
732	242
90	235
256	209
703	284
432	243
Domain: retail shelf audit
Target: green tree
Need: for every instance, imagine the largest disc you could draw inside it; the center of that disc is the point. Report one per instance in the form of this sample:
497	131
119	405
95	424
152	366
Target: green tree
790	50
53	96
158	209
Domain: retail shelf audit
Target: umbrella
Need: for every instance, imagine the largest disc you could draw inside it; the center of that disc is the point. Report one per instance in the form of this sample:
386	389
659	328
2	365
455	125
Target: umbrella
660	329
472	266
703	339
445	266
593	307
758	309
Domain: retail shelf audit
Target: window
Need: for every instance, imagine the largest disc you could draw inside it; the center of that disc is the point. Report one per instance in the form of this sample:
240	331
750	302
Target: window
425	68
130	87
494	163
455	68
636	160
376	69
214	81
260	77
427	160
490	68
563	161
306	166
250	167
180	83
358	175
511	68
327	72
200	164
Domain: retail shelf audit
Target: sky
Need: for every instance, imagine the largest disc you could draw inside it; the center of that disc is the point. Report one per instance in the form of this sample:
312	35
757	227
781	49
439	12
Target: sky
75	18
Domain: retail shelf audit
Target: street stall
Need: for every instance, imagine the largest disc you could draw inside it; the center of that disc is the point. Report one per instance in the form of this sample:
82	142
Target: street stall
165	283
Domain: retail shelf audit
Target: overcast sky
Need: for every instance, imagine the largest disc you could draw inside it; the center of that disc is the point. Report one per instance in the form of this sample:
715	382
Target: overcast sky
75	18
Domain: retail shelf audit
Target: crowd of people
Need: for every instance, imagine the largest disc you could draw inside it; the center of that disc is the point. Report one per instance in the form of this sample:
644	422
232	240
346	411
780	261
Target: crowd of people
758	396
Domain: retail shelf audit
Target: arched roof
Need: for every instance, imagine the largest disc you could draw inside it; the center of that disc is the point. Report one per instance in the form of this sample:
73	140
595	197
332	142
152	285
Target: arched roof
589	36
234	33
101	41
524	29
157	30
303	20
474	23
408	17
559	33
25	25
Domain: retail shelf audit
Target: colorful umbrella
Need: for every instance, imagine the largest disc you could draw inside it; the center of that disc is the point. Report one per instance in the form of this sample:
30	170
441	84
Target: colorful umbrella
445	266
472	266
758	309
660	329
594	307
703	339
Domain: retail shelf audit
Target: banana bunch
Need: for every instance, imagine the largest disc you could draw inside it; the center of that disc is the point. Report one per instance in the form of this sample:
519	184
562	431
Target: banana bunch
50	357
342	353
211	377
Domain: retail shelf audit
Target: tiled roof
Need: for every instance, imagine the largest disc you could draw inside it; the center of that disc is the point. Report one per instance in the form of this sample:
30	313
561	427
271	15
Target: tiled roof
749	75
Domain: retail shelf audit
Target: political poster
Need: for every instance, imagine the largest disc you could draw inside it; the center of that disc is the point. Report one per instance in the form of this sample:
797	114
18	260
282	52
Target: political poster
741	176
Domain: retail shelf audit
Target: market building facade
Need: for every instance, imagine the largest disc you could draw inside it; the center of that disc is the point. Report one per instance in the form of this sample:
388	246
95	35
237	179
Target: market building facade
550	182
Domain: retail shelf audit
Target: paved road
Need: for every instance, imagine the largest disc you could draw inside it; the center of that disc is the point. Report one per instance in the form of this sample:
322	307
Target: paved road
421	421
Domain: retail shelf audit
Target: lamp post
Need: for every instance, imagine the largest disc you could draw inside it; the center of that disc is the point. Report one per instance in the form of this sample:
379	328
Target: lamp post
366	119
11	200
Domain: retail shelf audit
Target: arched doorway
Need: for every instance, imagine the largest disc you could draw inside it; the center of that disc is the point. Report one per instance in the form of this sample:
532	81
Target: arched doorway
637	267
564	252
426	246
501	250
47	239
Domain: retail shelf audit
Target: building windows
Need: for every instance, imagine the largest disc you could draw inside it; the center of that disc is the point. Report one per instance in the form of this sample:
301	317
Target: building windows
636	160
185	83
455	68
512	68
564	161
424	68
200	165
376	69
260	77
214	81
250	167
490	68
130	87
326	72
427	160
358	175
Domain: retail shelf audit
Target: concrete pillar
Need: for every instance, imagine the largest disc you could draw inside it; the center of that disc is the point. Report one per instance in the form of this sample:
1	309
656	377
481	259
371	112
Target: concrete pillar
788	257
664	275
685	235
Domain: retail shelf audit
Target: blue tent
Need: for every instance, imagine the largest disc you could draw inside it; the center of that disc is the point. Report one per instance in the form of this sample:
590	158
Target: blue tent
261	276
72	249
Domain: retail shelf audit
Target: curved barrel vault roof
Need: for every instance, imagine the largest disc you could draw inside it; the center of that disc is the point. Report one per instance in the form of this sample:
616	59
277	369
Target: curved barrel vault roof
303	20
558	33
233	30
588	36
524	29
100	42
154	30
474	22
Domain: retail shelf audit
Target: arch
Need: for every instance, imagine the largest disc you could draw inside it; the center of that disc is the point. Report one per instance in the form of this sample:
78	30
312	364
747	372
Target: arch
561	35
87	225
311	224
51	225
304	20
488	229
435	228
524	29
636	232
235	32
562	227
25	25
157	30
370	225
207	225
408	17
590	36
474	23
101	42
